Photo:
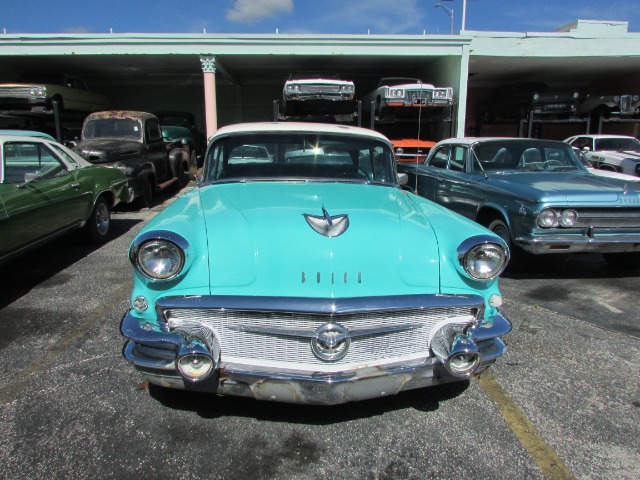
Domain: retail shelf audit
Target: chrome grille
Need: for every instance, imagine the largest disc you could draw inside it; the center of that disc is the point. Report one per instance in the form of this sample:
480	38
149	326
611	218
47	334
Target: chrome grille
609	218
10	91
262	347
415	96
319	88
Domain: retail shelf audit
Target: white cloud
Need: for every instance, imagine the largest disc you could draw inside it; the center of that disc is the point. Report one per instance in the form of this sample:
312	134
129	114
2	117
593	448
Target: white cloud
249	11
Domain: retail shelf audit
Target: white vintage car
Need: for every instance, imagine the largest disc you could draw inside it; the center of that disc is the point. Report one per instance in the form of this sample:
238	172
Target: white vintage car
615	153
37	93
318	93
406	94
626	104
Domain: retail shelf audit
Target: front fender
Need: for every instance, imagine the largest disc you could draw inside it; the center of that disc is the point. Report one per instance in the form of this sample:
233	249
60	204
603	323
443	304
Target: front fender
178	159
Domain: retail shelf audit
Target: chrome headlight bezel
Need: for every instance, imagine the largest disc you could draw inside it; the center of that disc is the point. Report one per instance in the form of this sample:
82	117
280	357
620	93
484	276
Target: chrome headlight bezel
441	93
552	218
483	257
293	88
165	245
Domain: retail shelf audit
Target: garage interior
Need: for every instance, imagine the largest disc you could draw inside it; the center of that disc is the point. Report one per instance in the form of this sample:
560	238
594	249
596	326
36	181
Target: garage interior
248	82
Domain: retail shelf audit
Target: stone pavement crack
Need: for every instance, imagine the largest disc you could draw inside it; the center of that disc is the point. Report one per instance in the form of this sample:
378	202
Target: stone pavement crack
545	457
9	392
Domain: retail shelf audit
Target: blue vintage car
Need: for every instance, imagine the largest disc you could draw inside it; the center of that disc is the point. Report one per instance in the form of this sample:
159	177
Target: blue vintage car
298	270
535	194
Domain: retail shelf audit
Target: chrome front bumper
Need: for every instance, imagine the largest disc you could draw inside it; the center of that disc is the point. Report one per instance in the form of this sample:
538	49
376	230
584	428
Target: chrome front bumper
589	242
154	353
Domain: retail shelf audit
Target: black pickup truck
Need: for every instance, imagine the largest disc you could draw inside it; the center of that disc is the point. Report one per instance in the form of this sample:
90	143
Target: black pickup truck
132	141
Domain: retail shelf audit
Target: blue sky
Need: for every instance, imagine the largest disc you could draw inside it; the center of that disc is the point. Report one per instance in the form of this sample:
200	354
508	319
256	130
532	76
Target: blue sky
304	16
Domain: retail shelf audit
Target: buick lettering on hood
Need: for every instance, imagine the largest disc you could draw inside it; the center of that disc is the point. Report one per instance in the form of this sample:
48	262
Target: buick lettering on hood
299	270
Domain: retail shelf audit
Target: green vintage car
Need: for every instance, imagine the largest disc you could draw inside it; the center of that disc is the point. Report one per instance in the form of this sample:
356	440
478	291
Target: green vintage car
298	270
47	190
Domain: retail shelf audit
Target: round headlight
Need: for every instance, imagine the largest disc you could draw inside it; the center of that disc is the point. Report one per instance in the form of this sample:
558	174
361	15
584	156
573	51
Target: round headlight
160	259
195	366
399	150
485	261
568	218
547	219
536	97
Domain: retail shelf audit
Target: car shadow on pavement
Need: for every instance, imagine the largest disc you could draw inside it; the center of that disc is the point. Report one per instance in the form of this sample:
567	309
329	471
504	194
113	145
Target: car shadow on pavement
22	274
568	266
210	406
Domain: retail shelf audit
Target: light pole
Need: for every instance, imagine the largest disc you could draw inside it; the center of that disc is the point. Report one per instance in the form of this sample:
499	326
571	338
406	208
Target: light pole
449	12
464	15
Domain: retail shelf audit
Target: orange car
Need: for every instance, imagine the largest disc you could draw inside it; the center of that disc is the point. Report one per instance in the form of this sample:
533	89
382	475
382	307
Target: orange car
411	150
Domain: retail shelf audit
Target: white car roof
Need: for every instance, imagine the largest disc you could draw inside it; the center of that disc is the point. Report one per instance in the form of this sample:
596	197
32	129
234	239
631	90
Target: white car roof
299	127
600	135
472	140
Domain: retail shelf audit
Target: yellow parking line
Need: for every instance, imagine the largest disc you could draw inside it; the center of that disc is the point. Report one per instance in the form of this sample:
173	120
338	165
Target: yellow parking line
545	457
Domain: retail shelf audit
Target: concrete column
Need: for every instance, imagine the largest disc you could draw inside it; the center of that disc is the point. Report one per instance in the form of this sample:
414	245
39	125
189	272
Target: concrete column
210	106
463	85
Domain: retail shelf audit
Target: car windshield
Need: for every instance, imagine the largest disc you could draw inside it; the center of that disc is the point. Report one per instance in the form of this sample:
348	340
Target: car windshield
112	128
524	157
300	157
619	144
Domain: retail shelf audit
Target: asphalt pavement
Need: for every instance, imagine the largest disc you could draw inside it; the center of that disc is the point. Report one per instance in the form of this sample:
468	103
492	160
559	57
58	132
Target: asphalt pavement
563	403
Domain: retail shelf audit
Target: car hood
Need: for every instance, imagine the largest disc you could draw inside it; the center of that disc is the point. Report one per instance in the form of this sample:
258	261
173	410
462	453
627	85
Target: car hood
268	247
565	188
413	86
108	149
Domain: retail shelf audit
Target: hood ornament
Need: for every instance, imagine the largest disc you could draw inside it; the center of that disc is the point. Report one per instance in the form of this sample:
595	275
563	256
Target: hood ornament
327	225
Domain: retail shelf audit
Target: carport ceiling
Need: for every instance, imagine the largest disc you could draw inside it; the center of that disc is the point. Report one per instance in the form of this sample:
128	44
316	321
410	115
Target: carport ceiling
235	69
575	71
274	69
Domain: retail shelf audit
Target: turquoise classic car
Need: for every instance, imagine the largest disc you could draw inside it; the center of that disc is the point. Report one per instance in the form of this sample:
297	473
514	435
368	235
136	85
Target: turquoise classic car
535	194
47	190
298	270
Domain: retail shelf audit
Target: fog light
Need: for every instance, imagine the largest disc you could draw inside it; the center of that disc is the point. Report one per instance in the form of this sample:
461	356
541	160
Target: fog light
464	363
140	303
464	358
195	366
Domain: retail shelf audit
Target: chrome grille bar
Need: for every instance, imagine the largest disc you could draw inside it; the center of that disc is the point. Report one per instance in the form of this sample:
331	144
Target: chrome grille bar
609	218
319	88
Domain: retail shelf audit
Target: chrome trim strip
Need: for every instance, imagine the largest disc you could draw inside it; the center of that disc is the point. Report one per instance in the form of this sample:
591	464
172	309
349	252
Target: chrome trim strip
311	333
328	306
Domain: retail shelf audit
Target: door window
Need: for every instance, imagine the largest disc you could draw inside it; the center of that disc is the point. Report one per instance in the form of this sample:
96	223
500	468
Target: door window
440	158
25	162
